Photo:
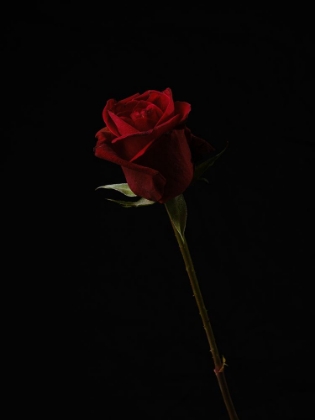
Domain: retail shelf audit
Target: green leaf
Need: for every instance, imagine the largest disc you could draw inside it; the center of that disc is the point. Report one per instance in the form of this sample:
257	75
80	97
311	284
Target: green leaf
123	188
204	166
177	211
128	204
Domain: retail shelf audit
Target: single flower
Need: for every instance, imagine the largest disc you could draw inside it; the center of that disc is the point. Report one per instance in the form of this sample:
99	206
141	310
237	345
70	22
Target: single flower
147	136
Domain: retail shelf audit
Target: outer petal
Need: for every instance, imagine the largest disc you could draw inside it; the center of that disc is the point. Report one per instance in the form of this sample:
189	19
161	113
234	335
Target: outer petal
106	117
104	135
170	155
128	147
145	182
142	180
183	109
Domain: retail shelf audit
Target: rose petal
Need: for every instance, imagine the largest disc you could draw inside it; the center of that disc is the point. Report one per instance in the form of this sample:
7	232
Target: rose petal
143	181
183	109
166	103
162	101
106	118
122	127
125	147
104	135
170	155
112	120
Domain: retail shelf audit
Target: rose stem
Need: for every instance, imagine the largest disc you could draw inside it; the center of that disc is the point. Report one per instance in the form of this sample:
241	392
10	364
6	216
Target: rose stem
219	365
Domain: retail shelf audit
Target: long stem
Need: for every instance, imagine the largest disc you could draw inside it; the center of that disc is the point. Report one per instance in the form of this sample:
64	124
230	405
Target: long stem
218	363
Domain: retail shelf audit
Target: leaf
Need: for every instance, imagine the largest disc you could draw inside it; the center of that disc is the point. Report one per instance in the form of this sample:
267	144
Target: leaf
204	166
177	211
123	188
128	204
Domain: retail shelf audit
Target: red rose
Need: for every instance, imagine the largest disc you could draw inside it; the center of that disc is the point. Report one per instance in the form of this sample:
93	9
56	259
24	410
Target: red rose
145	134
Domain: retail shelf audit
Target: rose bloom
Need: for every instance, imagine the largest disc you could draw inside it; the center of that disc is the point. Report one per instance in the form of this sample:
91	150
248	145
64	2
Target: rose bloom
146	135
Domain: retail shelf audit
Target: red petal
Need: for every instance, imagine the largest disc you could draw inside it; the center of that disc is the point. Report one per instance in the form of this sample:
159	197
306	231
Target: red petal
123	128
170	155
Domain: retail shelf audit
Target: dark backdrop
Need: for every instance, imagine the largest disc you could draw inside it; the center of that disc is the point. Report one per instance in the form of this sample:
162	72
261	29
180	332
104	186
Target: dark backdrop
99	314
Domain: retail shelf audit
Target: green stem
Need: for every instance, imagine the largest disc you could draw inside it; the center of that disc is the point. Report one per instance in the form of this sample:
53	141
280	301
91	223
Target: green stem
218	363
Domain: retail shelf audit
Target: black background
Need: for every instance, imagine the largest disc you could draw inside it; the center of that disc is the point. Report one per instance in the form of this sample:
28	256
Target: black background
98	310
